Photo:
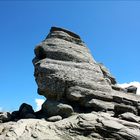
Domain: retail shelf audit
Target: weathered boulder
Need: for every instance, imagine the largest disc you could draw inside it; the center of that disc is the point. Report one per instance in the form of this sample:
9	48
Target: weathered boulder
131	89
15	115
5	117
26	111
54	108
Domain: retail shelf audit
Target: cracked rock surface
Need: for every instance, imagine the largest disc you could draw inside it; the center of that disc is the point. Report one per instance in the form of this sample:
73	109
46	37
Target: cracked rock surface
85	126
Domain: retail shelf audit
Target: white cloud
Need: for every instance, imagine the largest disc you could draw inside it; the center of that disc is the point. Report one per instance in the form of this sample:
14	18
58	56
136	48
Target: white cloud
134	83
39	103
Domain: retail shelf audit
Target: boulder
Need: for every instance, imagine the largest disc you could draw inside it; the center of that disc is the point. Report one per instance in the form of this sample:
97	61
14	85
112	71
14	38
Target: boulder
131	89
15	115
26	111
5	117
54	108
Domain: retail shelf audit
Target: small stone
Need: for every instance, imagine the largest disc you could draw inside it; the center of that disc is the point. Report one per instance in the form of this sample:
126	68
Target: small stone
54	118
34	135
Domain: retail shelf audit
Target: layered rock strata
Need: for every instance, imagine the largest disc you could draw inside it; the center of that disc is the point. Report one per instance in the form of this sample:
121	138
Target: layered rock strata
70	79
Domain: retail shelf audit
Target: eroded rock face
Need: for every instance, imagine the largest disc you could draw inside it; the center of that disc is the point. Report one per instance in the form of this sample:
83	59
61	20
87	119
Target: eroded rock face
65	70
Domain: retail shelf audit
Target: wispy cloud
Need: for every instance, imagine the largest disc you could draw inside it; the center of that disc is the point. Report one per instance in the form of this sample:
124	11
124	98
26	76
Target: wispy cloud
134	83
39	103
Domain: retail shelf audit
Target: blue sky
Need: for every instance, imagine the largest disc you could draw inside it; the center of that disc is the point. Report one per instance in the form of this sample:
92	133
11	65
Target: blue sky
111	30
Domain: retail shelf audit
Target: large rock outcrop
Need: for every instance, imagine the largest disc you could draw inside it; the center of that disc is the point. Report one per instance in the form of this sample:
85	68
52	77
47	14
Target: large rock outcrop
66	73
65	70
83	100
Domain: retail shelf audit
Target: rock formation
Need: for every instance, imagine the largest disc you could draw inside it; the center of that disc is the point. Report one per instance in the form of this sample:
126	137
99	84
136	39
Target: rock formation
131	89
83	100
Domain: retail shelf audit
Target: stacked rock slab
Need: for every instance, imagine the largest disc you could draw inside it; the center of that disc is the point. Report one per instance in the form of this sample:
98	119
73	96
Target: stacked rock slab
66	72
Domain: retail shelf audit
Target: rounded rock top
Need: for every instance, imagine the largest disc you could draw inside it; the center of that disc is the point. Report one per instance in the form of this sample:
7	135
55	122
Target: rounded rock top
66	31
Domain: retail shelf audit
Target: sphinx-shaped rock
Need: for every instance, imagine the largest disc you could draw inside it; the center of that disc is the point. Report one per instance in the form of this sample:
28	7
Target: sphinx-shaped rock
66	71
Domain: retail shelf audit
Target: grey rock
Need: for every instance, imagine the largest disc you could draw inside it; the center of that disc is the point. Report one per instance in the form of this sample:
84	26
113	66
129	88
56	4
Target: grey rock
121	97
29	115
54	118
118	88
63	61
120	109
54	108
5	117
107	74
99	105
131	89
15	115
26	111
138	108
83	101
78	93
130	117
75	36
66	72
89	126
112	125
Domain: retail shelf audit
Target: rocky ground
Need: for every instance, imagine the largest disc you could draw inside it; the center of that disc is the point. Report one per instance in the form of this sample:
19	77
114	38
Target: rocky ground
83	100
